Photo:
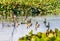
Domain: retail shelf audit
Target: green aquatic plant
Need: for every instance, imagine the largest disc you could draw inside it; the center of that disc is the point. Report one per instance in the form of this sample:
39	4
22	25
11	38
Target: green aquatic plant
41	36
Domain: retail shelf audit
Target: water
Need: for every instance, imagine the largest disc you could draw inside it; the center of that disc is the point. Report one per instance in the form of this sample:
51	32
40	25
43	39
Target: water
21	30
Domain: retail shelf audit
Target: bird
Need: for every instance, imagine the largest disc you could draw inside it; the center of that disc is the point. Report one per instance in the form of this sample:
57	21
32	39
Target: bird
36	25
44	21
48	26
29	23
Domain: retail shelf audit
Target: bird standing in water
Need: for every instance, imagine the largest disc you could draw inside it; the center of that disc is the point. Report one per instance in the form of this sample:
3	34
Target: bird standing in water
48	26
29	23
44	21
36	25
17	24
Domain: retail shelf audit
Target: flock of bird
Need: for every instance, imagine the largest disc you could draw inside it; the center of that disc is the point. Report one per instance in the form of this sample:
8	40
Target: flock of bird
28	24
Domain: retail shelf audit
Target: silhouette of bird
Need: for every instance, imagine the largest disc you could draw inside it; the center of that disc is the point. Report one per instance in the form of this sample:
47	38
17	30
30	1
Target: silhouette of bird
44	21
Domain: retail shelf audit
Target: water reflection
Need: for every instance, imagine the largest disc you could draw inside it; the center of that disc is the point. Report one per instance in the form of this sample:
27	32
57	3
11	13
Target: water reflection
21	29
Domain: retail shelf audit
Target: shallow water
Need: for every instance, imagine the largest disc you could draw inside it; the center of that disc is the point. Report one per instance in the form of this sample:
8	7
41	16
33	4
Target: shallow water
21	30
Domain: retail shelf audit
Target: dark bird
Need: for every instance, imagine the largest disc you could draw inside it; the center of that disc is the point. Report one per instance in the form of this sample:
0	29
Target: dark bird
44	21
48	26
